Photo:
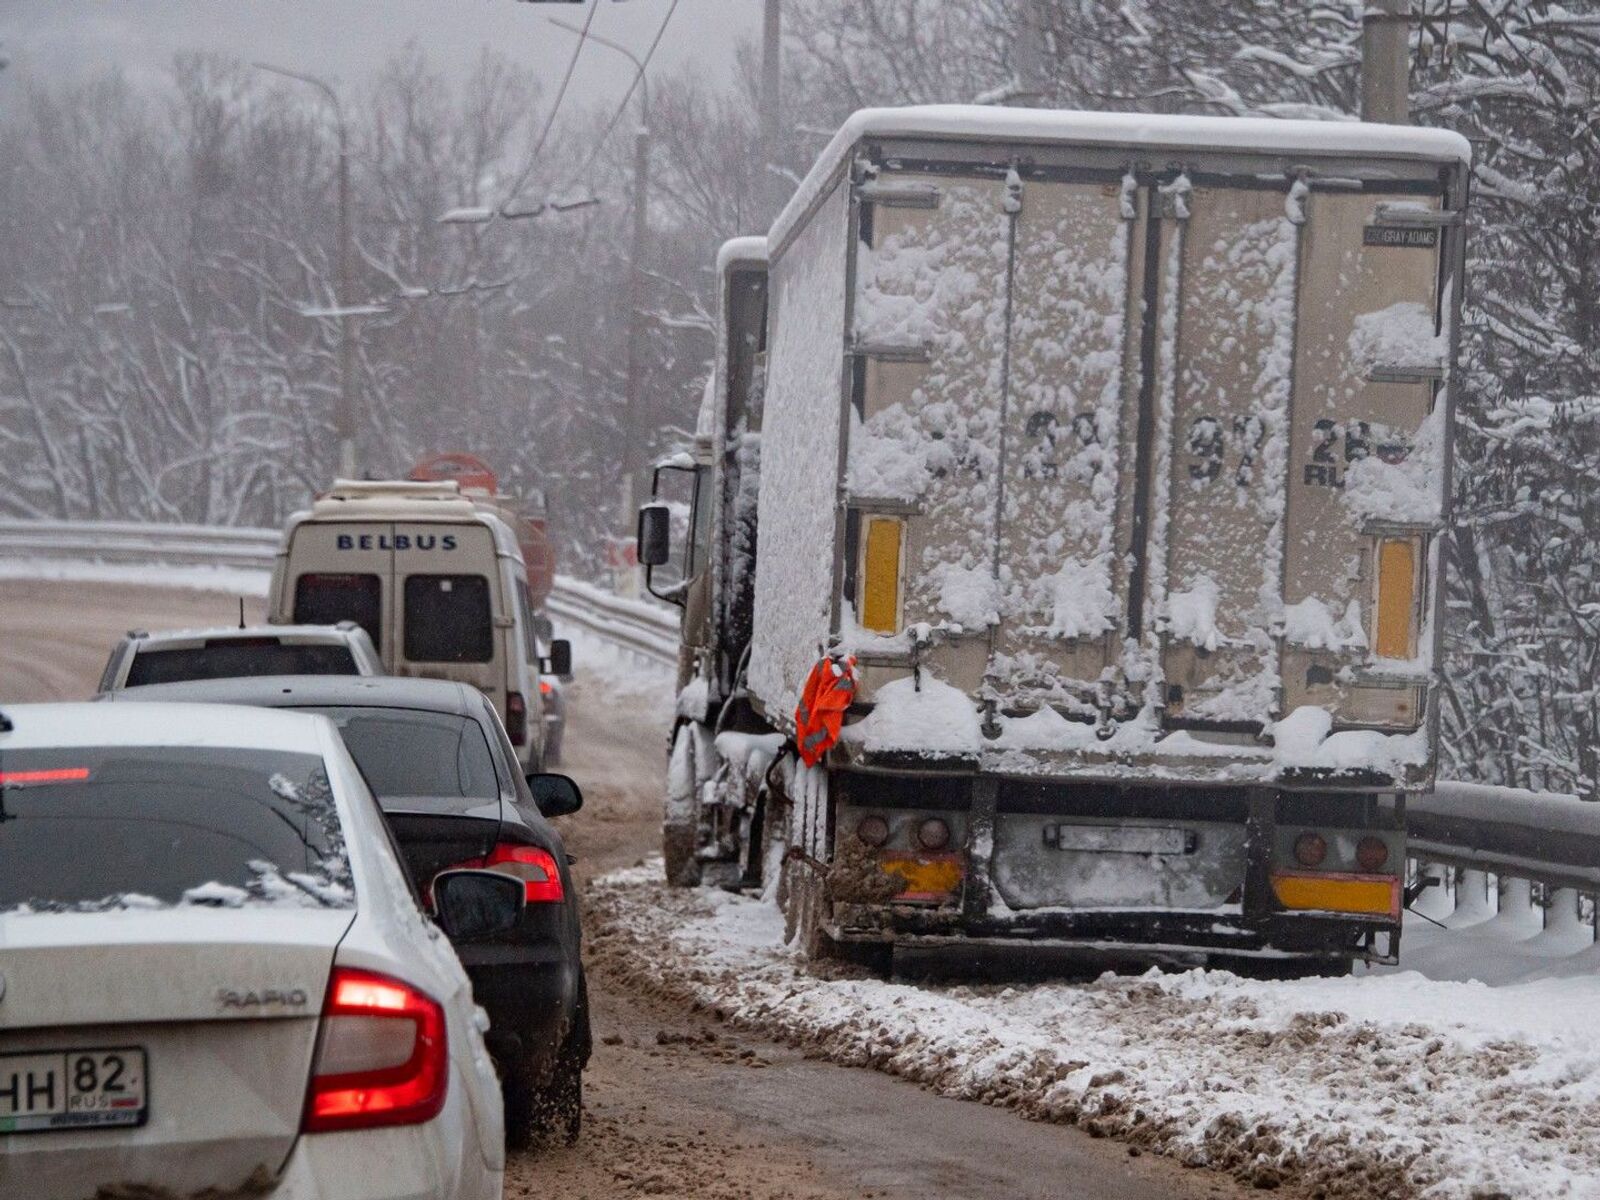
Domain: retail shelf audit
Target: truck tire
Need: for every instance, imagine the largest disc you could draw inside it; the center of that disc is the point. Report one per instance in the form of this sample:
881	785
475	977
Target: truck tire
680	825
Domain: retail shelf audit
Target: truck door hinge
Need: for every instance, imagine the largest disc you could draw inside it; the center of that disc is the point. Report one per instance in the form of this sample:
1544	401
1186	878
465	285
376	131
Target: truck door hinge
1013	201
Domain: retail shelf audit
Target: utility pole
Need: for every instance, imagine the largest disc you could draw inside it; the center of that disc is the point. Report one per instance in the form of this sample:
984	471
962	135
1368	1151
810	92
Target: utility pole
1032	64
634	369
344	415
772	101
1386	62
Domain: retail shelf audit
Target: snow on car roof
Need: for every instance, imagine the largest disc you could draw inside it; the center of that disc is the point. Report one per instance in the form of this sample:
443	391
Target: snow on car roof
741	250
45	726
1156	131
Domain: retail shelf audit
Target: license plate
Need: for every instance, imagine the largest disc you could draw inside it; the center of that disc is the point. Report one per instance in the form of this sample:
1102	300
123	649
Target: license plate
1120	839
72	1089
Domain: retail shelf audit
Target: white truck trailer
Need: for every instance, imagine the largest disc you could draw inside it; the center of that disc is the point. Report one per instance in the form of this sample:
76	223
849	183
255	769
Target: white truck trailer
1110	455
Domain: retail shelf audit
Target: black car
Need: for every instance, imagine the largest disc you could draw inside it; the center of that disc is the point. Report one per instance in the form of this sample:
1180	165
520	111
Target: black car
437	758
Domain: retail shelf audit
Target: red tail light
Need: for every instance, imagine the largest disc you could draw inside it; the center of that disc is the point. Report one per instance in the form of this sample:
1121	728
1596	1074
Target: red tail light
55	775
1310	849
381	1057
546	688
517	718
1371	854
535	867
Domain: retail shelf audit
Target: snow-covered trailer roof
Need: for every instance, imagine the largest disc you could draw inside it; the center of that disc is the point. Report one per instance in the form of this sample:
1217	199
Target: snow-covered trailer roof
741	250
1148	131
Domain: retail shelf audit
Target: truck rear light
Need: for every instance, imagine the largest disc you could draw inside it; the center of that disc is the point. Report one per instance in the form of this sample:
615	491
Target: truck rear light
933	834
1310	849
881	545
516	718
381	1056
872	831
536	868
1396	601
1371	854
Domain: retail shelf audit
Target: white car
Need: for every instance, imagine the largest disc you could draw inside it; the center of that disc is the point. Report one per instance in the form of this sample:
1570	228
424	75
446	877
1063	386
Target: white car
216	976
181	655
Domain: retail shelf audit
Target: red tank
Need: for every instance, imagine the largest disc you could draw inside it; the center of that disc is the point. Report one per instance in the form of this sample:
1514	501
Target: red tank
478	479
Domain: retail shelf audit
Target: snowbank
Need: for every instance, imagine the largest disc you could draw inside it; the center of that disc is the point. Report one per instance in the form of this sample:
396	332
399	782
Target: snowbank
1390	1085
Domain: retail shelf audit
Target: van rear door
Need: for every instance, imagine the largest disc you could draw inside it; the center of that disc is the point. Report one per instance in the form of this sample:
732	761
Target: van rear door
447	587
341	572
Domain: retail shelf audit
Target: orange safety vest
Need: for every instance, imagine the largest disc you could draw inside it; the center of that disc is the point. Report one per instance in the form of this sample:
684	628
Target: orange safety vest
829	691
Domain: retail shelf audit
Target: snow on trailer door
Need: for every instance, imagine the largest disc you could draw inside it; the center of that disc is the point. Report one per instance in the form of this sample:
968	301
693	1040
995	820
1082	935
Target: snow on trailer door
924	446
1064	595
1225	349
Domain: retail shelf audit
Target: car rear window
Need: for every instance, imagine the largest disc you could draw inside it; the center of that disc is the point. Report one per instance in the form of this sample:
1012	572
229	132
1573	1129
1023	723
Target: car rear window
413	752
118	827
448	619
327	599
233	657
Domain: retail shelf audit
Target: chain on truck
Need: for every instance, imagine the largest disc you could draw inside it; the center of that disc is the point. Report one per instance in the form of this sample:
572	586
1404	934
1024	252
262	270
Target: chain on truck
1094	468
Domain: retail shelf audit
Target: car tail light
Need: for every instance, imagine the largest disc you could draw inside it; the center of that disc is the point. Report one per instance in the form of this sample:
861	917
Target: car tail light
546	688
933	834
381	1058
535	867
1396	599
49	775
873	831
881	540
1310	849
516	718
1371	854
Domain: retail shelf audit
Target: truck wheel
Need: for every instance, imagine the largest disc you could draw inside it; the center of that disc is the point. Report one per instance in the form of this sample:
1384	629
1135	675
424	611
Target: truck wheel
680	826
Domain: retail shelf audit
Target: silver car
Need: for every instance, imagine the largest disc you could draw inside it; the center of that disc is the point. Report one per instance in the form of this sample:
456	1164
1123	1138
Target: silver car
181	655
217	977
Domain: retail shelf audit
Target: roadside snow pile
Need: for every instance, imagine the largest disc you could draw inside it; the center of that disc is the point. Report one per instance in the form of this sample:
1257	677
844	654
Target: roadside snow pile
1390	1086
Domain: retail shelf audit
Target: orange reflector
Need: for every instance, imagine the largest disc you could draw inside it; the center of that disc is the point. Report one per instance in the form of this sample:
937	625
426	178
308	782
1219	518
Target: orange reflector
927	876
880	574
1369	895
1397	598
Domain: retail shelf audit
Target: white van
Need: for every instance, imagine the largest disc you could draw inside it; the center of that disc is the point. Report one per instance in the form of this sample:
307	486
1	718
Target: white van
436	581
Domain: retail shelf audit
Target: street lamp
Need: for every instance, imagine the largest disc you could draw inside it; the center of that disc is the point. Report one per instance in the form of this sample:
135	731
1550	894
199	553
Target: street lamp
344	419
641	234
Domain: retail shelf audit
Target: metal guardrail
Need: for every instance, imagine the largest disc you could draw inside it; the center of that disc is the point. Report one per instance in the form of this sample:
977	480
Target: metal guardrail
639	628
1549	839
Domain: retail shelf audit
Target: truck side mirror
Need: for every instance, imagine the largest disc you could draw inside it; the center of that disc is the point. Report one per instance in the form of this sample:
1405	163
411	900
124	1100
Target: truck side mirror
655	535
559	661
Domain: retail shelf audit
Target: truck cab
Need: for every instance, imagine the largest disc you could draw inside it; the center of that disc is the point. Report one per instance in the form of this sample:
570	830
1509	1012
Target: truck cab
438	583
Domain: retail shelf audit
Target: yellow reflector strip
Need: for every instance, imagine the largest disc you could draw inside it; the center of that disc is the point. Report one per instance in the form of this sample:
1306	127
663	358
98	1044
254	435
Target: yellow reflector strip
1369	895
880	575
1397	597
929	878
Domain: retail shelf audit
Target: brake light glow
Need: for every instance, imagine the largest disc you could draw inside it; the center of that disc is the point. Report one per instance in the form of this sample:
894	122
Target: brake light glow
546	688
382	1057
53	775
517	718
534	866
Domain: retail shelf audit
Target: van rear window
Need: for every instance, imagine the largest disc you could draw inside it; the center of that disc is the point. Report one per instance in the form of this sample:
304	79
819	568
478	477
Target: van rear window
448	619
327	599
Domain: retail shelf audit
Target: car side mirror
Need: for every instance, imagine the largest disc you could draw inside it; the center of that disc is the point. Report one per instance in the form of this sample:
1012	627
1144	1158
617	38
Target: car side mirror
655	535
559	660
473	905
555	795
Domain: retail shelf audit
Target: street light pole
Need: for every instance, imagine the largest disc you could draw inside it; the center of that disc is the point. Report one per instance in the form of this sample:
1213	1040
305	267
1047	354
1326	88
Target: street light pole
772	99
344	417
636	253
1386	62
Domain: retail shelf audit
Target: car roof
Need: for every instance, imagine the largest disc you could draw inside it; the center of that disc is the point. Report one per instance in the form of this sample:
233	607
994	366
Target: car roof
290	691
45	726
300	633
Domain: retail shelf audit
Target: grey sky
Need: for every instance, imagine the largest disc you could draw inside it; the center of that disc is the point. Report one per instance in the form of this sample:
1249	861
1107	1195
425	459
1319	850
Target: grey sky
346	39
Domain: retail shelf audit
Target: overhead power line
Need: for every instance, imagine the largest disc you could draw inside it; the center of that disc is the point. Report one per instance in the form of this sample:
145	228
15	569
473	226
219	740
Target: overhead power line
628	95
555	107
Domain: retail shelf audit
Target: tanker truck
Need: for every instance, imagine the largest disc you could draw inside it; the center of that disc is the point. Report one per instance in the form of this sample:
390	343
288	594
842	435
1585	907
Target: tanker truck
1060	546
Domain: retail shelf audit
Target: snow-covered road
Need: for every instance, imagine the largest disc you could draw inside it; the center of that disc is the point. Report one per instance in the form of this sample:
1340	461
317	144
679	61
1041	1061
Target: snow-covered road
1373	1085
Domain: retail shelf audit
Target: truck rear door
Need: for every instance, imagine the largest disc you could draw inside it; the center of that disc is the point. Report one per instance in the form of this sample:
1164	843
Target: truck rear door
342	572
